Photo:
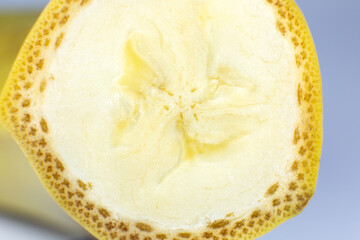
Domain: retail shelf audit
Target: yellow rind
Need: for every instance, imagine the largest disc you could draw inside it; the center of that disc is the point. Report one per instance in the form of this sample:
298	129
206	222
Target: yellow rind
283	202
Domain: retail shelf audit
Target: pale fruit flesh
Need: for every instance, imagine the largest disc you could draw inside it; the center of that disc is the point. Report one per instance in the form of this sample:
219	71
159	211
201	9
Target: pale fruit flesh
227	84
163	119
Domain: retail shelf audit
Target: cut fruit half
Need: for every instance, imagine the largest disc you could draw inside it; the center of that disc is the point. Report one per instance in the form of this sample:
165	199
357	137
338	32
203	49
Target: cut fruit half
170	119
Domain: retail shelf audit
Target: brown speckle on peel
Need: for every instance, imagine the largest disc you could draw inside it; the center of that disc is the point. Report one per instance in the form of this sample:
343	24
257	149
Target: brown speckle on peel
56	176
298	60
39	153
233	233
261	222
219	223
26	118
287	208
300	176
161	236
37	53
48	157
32	131
27	85
295	166
272	189
251	223
52	25
55	15
40	64
144	227
95	218
299	94
110	225
239	224
184	235
281	28
123	227
302	151
267	216
82	185
84	2
49	169
13	110
26	103
224	232
64	10
256	214
104	213
59	40
80	194
22	77
66	183
89	206
47	42
276	202
113	235
293	186
59	165
70	194
30	69
307	97
207	235
64	20
134	236
295	41
44	125
38	43
43	85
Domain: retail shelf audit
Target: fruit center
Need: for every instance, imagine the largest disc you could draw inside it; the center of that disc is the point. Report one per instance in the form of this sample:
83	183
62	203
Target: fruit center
181	101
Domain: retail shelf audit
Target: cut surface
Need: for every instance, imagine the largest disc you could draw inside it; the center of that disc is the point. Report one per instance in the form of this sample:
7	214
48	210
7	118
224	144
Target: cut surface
160	117
174	142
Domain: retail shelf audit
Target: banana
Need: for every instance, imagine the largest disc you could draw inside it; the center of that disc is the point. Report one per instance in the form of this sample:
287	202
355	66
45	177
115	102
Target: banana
168	119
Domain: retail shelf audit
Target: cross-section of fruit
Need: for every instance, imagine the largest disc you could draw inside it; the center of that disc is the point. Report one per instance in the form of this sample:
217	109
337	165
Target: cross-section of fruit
170	119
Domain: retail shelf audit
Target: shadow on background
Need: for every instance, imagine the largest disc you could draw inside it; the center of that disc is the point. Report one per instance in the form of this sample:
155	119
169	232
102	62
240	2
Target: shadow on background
20	221
14	26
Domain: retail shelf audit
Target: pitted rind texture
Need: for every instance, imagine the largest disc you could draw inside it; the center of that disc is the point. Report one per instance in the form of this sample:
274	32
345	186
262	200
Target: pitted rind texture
18	113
